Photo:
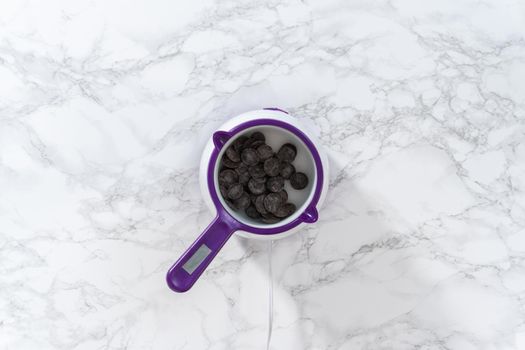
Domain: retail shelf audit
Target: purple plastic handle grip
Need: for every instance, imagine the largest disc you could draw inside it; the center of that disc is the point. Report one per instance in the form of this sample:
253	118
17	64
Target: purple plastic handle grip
187	270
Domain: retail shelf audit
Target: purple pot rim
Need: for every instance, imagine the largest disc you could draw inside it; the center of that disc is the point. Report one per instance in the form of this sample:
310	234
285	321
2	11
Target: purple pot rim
309	215
275	109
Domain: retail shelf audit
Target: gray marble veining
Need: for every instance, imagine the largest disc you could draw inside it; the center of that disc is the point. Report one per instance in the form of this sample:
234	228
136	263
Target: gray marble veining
105	107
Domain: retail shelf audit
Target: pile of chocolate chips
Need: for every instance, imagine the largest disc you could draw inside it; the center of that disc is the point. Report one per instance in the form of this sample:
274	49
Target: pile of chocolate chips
252	178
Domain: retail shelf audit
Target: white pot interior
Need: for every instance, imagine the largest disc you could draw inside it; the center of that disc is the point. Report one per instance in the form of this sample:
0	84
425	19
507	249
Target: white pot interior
304	162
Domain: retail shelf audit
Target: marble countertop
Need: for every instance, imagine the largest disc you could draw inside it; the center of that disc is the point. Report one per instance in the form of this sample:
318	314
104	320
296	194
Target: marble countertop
105	107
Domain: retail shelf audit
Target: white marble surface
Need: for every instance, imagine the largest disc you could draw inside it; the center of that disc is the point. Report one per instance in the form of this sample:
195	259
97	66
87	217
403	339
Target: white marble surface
105	107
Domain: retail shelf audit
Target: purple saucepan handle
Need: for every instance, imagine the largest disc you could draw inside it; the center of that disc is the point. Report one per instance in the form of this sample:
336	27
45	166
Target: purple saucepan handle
187	270
190	266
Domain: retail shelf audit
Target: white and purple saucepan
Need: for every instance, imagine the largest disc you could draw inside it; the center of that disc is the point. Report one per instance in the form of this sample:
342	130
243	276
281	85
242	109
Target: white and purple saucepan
279	128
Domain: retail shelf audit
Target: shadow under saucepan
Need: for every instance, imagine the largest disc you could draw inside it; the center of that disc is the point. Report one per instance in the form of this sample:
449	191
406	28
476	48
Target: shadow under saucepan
343	282
352	280
334	298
